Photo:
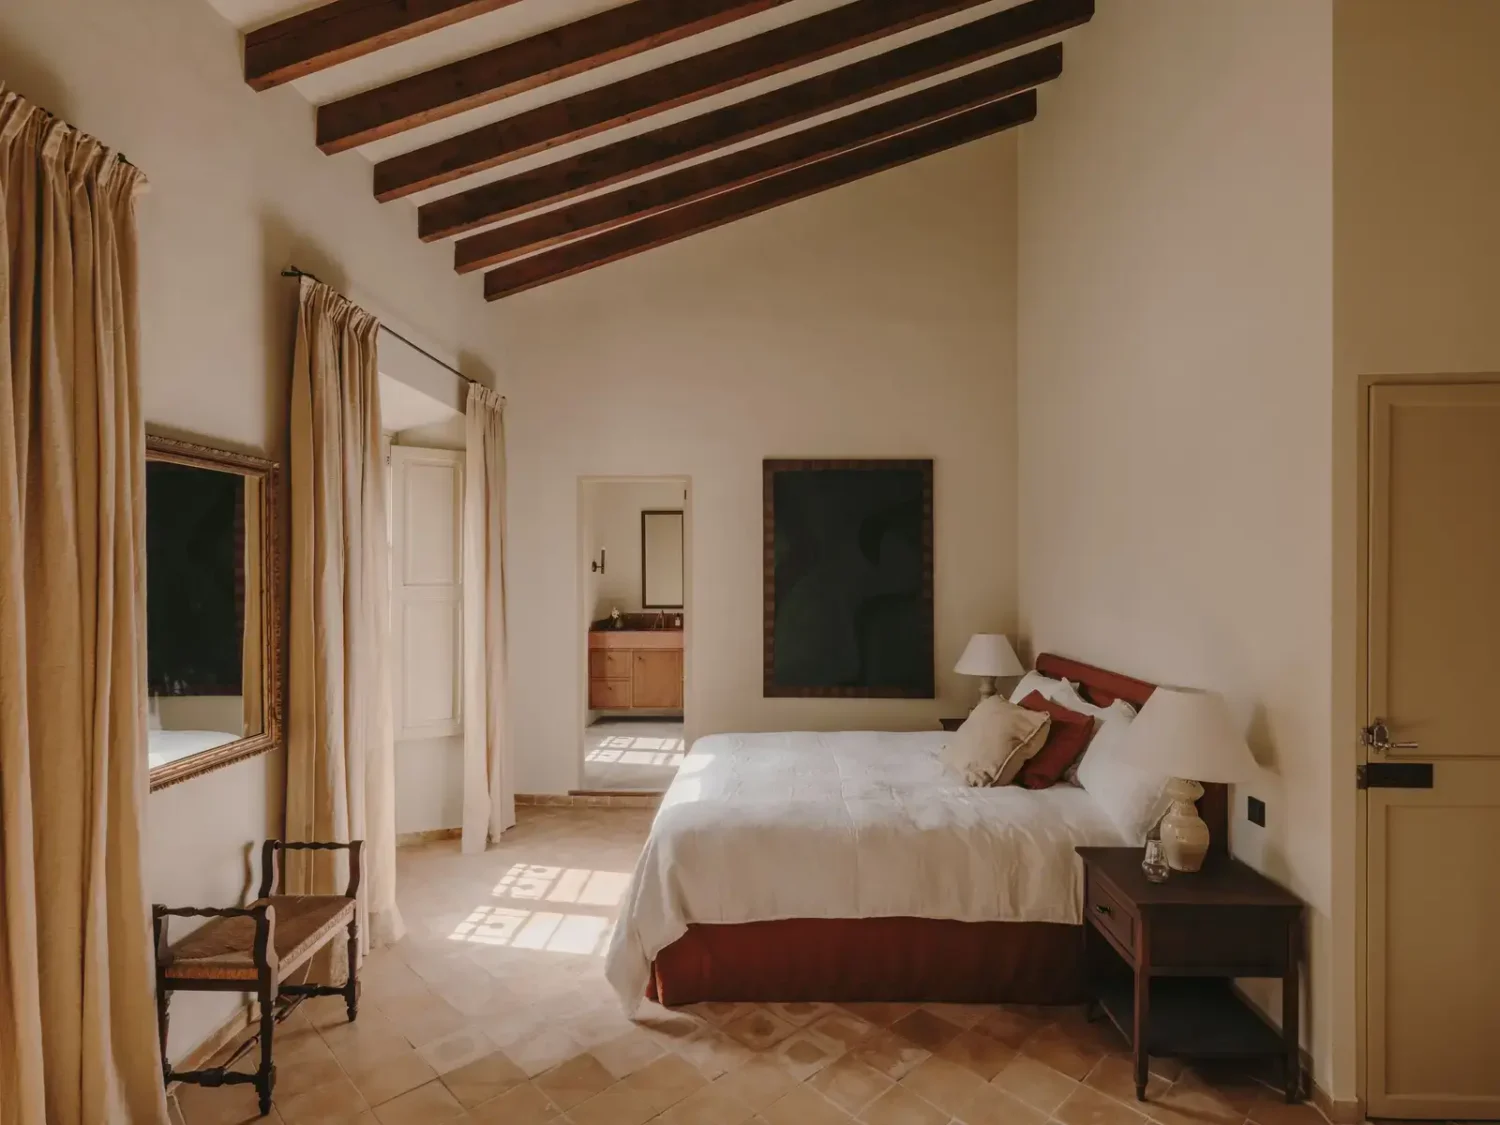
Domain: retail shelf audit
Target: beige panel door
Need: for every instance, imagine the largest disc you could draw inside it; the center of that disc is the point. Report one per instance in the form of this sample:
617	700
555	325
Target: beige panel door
1433	849
427	593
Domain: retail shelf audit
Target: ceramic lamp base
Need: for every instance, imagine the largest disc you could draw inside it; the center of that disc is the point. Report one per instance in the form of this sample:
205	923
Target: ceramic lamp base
1184	835
986	687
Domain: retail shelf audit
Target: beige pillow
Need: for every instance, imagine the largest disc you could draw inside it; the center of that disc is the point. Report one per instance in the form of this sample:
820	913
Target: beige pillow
995	741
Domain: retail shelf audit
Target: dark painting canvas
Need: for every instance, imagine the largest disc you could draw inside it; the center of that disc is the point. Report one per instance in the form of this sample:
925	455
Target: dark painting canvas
848	578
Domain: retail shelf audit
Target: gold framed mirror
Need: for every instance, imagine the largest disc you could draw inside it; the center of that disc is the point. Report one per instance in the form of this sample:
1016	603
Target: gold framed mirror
213	609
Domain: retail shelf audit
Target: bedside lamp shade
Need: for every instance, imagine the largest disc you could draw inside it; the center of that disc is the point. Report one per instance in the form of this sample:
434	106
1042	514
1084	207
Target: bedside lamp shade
1186	733
1189	736
988	655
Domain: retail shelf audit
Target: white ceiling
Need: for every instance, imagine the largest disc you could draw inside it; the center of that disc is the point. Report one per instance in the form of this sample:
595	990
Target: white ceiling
529	17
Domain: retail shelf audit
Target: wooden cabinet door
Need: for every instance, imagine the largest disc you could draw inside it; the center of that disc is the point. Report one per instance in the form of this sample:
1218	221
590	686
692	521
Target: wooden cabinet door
609	664
657	678
609	695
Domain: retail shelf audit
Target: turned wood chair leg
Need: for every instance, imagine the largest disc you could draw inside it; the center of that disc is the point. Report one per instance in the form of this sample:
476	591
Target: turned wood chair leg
351	979
163	1001
265	1077
163	993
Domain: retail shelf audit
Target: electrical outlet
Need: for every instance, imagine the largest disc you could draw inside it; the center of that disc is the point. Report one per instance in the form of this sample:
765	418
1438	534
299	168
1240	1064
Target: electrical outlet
1255	811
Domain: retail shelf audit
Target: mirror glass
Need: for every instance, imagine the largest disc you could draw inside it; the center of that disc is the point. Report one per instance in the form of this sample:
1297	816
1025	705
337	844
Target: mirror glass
661	560
207	641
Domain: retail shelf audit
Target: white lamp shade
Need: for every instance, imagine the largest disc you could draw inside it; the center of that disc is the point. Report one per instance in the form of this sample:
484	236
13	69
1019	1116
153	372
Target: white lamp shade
1182	732
989	654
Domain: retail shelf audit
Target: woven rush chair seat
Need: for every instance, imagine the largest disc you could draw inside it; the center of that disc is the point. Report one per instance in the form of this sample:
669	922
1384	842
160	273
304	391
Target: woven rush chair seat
224	948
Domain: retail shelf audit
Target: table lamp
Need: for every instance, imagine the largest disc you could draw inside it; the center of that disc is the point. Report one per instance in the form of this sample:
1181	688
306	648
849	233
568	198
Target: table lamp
1189	736
988	655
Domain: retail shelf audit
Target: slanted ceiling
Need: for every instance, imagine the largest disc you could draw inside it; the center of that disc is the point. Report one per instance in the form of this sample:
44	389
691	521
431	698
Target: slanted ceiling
549	137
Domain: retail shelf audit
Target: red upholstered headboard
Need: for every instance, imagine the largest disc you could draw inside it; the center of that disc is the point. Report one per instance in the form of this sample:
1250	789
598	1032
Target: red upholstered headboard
1101	688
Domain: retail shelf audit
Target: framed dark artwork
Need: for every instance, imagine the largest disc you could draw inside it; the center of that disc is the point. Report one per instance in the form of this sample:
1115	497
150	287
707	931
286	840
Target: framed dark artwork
848	579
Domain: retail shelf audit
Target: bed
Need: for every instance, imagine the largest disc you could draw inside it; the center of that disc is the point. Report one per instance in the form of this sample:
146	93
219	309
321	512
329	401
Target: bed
849	867
165	746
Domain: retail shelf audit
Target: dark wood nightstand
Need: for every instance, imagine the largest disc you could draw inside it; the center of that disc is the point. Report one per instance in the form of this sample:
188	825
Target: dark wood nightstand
953	724
1182	943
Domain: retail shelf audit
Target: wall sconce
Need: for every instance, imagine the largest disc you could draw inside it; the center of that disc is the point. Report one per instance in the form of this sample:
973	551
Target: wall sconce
598	567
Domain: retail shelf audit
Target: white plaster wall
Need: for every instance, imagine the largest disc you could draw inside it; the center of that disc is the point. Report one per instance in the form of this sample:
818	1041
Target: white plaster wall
1175	389
876	320
615	527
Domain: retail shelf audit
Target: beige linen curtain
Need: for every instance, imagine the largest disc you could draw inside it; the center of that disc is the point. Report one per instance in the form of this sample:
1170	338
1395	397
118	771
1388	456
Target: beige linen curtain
77	1026
489	788
340	782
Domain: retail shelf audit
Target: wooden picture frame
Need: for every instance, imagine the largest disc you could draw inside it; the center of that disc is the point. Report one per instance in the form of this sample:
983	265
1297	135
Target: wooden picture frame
264	523
921	683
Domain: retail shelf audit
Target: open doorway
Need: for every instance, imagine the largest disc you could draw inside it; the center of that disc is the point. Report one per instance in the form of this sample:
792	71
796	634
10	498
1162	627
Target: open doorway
635	592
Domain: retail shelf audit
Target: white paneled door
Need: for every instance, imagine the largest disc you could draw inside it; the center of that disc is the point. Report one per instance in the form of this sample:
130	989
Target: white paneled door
1432	758
427	591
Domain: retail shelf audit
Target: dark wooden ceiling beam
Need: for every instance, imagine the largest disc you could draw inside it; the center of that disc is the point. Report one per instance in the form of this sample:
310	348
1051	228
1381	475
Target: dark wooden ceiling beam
634	156
762	195
687	185
602	38
343	30
676	84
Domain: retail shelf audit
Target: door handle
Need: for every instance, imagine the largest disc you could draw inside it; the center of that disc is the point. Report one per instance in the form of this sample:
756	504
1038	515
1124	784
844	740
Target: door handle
1377	736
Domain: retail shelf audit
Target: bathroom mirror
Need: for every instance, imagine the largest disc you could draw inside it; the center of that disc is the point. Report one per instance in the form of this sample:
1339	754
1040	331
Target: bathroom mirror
661	559
213	609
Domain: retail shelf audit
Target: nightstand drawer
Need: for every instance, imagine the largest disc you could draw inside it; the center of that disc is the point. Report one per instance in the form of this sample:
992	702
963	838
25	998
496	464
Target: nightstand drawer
1109	913
1249	941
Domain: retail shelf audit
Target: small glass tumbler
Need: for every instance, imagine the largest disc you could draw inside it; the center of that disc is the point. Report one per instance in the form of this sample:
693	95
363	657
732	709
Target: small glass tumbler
1154	862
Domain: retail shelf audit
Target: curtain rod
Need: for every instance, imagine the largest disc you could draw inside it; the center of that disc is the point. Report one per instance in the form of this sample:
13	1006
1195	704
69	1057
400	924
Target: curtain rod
293	271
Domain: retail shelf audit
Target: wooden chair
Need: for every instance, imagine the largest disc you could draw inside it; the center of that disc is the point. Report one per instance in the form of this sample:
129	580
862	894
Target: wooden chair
254	949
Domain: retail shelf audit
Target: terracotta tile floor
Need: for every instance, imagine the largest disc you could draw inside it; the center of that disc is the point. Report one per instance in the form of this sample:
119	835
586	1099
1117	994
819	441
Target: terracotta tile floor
494	1009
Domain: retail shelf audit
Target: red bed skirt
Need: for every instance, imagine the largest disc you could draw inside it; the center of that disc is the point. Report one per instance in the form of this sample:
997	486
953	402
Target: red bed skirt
860	959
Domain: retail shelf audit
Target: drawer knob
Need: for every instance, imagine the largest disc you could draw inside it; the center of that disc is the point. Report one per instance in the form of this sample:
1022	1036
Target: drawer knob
1100	908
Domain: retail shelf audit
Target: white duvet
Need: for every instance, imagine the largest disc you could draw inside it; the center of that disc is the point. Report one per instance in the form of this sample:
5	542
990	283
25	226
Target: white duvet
761	827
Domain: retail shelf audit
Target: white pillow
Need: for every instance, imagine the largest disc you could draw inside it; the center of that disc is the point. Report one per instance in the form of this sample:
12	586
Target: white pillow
1068	696
995	741
1130	796
1035	681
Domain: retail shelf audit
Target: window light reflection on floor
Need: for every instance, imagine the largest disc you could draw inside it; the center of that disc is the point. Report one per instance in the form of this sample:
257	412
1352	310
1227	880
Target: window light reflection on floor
563	884
583	934
555	931
634	751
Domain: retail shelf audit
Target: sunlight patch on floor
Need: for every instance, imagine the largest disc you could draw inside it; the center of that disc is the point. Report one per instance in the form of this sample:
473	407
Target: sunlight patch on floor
637	751
563	929
563	884
579	934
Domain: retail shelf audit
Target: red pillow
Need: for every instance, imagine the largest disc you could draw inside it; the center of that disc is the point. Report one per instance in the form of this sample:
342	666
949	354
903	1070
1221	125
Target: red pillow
1067	739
